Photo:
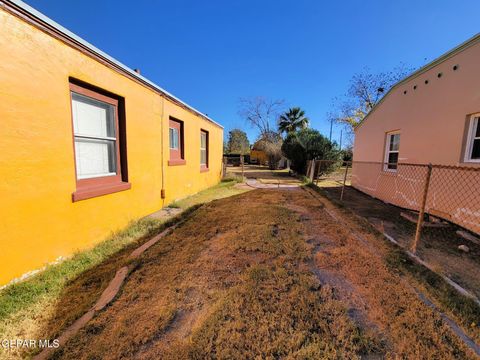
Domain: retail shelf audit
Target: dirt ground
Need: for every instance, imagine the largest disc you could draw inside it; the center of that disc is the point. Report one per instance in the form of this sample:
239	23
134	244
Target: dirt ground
438	246
270	273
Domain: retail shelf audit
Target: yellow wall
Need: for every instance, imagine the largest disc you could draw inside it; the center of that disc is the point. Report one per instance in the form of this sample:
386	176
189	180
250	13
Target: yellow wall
260	156
38	220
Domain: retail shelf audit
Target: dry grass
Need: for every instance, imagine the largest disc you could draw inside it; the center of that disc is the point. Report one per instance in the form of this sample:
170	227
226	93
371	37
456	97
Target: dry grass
464	310
218	288
438	246
50	301
225	189
279	313
361	259
27	306
265	274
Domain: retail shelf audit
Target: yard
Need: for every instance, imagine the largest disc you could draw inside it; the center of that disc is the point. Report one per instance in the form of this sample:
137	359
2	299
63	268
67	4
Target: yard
438	245
268	273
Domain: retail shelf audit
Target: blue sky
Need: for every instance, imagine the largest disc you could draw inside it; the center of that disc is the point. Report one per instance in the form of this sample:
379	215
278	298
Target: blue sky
211	53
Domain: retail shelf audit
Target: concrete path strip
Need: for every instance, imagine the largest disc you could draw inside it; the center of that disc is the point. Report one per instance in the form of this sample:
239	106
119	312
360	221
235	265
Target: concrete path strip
453	325
140	250
254	183
106	298
112	289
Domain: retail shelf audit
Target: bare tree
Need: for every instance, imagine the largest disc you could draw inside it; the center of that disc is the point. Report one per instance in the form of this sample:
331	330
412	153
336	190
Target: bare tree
366	89
261	113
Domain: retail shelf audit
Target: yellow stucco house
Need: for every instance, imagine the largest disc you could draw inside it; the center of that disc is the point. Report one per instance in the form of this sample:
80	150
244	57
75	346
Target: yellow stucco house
86	144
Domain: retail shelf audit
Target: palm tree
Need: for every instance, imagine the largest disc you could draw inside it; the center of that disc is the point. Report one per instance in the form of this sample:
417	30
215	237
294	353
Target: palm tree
292	120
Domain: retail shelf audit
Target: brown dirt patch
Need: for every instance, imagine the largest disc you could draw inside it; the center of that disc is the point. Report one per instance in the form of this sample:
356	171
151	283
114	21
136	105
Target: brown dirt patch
267	274
438	246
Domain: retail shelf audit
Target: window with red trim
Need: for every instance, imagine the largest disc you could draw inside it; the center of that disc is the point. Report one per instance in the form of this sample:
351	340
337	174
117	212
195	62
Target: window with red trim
176	144
203	149
97	142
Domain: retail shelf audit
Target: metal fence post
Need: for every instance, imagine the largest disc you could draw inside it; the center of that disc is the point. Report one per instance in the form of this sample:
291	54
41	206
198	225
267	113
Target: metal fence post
344	181
224	166
243	168
311	168
421	213
318	171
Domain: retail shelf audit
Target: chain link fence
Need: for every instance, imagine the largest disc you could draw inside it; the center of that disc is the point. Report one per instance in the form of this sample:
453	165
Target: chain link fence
433	196
431	210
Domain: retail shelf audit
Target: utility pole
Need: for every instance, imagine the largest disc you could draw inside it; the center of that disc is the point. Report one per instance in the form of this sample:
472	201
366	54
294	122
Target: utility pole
331	125
341	133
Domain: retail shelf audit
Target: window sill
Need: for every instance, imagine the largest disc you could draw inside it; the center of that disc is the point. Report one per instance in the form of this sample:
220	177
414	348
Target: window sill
204	169
471	161
387	170
176	162
95	191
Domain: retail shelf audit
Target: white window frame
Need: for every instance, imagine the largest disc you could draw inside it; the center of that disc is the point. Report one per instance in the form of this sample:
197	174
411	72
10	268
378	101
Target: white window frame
79	137
472	126
204	133
177	133
388	151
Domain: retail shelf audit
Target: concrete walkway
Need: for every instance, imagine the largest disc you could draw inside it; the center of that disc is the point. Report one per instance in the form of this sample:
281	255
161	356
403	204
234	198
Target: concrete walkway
258	184
261	177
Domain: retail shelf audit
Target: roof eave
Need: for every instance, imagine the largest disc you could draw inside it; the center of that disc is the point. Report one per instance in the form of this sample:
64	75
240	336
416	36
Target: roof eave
97	52
449	54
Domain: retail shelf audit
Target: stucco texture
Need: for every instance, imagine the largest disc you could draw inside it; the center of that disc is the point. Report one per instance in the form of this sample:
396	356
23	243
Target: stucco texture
39	222
432	119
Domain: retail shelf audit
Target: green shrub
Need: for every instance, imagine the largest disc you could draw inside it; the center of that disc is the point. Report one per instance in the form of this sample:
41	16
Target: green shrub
308	144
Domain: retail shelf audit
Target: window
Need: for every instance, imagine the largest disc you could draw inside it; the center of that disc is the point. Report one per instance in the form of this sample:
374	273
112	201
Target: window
96	143
175	134
203	149
472	153
391	151
95	137
173	138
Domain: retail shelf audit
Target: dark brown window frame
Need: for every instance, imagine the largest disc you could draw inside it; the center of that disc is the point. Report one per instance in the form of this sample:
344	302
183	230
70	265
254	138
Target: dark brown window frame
177	156
205	167
93	187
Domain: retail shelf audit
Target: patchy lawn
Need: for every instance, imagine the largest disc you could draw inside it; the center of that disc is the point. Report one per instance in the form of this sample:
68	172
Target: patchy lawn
437	246
63	292
267	274
228	187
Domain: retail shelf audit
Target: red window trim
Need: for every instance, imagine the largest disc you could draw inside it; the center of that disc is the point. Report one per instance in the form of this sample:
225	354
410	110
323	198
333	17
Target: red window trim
176	162
93	187
177	156
91	192
205	167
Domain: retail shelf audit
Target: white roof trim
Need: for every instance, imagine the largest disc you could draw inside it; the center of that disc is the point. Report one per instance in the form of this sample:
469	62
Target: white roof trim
99	52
